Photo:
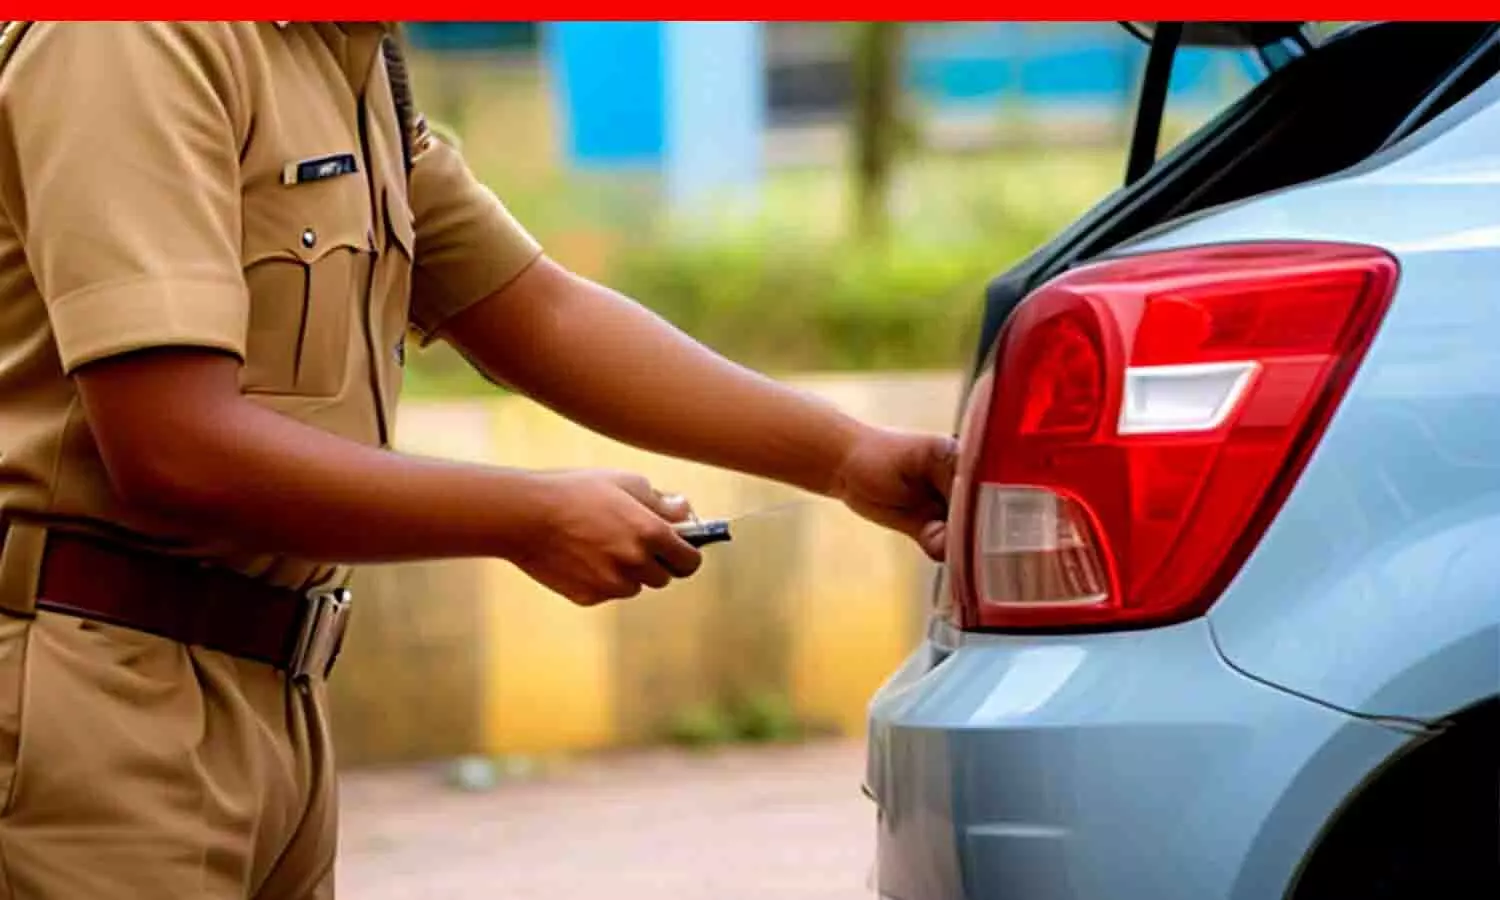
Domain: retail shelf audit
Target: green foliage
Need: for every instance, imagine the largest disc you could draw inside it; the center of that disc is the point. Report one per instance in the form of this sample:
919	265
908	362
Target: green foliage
795	306
761	718
788	286
700	726
796	289
766	718
784	306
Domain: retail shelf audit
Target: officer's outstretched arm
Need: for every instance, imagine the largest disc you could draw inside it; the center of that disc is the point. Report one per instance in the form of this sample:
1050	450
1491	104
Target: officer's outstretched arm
607	362
610	363
480	281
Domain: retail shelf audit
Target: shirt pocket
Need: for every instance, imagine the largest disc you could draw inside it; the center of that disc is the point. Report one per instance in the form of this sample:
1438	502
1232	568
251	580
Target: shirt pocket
308	256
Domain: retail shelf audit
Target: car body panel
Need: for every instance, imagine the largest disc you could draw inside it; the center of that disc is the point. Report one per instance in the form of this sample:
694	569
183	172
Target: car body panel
1203	760
1065	767
1374	589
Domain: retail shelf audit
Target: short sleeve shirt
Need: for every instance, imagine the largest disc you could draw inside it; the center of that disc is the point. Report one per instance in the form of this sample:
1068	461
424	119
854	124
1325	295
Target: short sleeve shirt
236	186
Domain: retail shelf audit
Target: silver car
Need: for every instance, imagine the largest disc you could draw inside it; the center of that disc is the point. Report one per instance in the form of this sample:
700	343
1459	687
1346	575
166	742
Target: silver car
1221	616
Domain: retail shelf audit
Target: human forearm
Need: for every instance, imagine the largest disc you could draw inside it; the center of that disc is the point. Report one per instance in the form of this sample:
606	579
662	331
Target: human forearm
183	447
604	361
266	482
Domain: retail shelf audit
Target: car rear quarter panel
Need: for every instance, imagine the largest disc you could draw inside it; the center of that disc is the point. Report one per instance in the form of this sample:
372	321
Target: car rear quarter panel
1128	765
1377	587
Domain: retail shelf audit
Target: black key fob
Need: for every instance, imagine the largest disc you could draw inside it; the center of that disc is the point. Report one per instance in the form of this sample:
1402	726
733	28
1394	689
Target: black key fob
701	534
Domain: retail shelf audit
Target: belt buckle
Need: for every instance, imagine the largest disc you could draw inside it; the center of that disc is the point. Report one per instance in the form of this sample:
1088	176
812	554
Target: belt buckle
321	633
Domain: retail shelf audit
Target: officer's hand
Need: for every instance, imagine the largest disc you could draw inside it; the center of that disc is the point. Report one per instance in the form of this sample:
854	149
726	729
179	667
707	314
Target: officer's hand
901	480
605	535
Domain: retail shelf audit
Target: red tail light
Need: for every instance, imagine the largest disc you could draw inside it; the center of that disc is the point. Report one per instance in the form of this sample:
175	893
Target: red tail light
1143	421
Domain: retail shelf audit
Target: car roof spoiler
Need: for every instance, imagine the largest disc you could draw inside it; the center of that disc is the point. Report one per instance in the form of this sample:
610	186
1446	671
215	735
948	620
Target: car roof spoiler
1276	44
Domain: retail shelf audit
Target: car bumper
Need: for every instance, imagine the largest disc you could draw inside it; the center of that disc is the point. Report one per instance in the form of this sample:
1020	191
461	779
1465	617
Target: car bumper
1104	766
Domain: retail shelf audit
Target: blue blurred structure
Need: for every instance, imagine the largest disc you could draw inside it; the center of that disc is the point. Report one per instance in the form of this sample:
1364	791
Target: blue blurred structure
715	108
1040	64
685	98
611	84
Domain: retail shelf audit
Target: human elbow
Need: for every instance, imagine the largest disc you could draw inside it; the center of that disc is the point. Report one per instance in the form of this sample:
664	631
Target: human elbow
163	421
171	479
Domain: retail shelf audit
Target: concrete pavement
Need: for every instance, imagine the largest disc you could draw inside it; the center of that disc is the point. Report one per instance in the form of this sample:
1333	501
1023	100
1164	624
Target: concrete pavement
785	822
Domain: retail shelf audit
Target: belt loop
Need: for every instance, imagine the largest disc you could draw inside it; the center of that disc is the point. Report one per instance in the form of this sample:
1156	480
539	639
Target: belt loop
21	566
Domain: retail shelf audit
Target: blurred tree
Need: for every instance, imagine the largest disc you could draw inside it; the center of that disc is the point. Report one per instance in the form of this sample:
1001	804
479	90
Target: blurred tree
877	122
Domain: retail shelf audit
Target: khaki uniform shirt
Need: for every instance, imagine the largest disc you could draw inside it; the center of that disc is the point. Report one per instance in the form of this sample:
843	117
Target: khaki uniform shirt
228	185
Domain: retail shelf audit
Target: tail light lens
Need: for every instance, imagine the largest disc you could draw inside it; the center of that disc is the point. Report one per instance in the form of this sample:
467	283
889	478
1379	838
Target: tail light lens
1142	422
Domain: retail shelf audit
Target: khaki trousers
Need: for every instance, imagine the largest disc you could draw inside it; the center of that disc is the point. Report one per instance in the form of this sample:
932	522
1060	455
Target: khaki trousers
135	767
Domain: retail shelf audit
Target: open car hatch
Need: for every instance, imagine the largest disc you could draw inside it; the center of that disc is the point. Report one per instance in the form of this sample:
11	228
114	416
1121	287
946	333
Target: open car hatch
1276	44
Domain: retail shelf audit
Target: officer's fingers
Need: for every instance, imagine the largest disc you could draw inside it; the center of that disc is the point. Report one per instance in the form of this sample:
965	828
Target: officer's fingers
574	590
610	576
639	561
672	507
651	573
635	485
583	586
667	546
943	466
933	539
619	587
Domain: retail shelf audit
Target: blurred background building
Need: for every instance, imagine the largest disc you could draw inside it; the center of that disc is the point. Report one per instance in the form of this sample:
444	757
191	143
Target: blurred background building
647	95
823	201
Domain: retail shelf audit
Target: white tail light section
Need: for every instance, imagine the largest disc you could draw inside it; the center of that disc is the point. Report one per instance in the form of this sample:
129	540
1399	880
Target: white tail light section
1178	399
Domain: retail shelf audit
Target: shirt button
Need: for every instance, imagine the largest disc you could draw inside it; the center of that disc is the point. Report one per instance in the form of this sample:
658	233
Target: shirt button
309	238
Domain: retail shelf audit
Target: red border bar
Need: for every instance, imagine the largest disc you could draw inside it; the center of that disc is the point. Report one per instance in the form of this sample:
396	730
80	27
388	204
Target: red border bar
768	10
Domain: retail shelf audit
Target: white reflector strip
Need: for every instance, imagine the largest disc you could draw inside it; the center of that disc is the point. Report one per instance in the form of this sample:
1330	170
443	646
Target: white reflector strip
1174	399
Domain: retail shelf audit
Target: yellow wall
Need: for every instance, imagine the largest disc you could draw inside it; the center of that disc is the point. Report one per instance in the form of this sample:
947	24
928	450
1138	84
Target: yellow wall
809	603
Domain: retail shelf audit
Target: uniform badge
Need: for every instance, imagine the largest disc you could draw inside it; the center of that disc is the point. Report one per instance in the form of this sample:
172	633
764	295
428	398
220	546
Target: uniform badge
319	169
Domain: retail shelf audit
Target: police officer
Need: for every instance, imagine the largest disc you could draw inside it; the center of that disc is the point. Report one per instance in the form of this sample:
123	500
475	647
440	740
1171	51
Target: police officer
214	239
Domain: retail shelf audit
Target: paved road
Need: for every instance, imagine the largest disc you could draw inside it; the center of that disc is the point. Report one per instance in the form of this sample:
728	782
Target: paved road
782	823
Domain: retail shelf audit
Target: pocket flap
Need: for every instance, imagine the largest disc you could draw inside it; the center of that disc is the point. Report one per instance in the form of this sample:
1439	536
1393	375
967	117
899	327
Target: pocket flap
305	224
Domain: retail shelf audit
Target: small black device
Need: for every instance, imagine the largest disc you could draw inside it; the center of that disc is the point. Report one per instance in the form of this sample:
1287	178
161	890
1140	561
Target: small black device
701	534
